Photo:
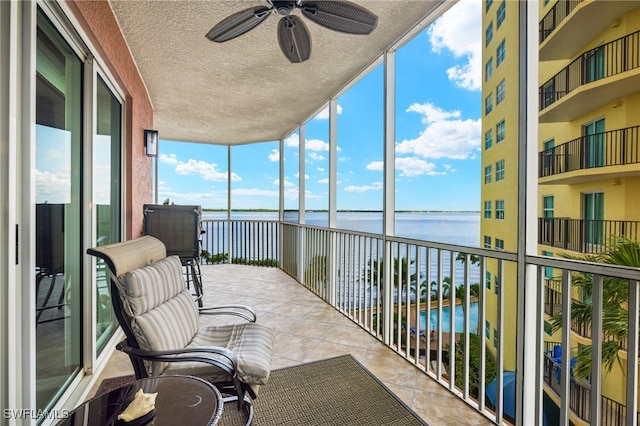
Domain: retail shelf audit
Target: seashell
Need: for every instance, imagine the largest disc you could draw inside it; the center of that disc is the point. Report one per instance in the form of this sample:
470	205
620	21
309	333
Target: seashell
143	403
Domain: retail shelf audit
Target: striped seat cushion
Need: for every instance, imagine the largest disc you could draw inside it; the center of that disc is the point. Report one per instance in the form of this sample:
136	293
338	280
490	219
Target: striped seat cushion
160	307
252	343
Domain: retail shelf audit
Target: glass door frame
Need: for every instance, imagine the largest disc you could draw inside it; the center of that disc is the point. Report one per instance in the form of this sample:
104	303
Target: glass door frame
21	357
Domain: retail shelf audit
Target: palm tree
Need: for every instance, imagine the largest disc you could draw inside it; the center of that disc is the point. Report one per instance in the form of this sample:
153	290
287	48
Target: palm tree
623	252
375	274
474	290
315	274
446	288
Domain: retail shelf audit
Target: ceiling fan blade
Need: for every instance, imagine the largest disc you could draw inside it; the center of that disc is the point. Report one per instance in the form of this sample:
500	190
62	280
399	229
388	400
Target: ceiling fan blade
342	16
238	23
294	39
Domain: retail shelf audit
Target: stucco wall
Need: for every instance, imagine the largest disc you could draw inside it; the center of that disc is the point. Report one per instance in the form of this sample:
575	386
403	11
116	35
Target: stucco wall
98	21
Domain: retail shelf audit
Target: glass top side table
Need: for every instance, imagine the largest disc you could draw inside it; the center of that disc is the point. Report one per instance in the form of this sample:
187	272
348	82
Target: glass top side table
181	400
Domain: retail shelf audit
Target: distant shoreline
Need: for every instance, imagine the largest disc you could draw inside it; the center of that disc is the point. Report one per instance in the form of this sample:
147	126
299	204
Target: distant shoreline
341	211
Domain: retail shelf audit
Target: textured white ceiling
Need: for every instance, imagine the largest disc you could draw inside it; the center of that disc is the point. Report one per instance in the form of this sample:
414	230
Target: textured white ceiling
245	90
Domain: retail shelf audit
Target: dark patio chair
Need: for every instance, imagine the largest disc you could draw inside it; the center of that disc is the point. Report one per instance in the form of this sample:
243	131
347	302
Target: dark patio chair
156	311
179	227
49	257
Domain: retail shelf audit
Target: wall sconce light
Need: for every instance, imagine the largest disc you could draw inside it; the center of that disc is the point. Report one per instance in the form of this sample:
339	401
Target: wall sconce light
151	143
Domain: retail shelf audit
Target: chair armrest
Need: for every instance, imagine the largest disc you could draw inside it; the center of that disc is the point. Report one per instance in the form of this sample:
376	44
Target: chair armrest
192	354
241	311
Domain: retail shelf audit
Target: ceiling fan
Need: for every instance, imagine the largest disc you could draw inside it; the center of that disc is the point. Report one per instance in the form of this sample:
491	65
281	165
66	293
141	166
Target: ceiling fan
293	35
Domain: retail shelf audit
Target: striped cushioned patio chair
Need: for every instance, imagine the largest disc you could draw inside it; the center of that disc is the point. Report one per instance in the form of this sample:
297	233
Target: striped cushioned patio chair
160	320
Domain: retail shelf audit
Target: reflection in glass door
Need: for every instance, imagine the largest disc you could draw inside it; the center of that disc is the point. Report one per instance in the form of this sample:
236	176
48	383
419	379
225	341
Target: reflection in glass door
594	144
594	217
594	64
106	199
57	182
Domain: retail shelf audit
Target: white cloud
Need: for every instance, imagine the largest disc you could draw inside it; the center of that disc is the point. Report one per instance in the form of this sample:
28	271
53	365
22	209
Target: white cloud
57	154
212	198
316	145
446	135
325	180
274	156
320	169
412	166
375	186
53	188
310	145
432	113
253	192
408	166
324	114
315	156
375	166
292	141
207	171
287	183
459	31
168	159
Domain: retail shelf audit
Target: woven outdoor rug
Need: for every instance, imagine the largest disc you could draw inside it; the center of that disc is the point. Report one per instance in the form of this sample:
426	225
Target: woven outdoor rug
334	391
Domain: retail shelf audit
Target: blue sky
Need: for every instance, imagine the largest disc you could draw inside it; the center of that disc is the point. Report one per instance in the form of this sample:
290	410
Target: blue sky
438	112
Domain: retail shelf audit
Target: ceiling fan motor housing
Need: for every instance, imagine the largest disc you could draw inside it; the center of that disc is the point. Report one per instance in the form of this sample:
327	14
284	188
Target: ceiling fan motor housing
283	8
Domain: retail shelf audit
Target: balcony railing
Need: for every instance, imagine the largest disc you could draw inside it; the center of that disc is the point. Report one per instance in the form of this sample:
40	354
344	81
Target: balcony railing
240	241
555	16
612	414
399	290
604	61
583	235
553	296
613	148
553	306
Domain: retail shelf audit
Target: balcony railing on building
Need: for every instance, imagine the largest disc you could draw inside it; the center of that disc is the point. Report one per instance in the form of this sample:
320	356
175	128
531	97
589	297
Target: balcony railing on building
391	286
553	306
584	235
555	16
613	413
604	61
613	148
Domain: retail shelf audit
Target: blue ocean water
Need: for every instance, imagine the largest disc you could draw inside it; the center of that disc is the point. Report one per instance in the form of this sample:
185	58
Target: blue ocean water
462	228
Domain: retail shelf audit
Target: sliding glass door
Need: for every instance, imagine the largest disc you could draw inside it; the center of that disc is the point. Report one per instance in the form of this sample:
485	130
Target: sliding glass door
593	208
78	203
58	144
106	199
594	144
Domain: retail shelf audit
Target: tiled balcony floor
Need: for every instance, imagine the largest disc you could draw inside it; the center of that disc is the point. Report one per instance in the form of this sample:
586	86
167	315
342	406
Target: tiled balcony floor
308	329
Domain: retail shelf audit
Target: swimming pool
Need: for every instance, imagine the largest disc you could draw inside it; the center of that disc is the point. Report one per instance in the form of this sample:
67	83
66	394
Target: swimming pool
459	325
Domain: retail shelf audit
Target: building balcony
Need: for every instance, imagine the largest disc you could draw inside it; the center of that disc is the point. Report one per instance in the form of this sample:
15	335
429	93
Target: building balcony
562	29
553	306
608	155
595	78
612	412
582	235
